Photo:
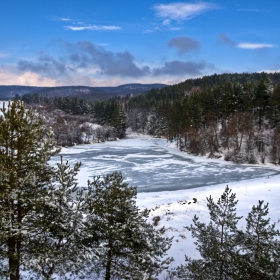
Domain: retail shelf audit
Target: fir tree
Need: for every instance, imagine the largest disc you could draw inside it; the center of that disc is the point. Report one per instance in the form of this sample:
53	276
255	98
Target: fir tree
274	112
229	253
216	241
132	247
263	93
57	243
260	250
25	149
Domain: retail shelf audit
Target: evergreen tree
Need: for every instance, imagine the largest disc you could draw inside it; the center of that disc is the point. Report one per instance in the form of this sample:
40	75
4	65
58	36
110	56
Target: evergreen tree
229	253
216	241
25	149
263	93
274	113
56	245
118	121
260	251
132	247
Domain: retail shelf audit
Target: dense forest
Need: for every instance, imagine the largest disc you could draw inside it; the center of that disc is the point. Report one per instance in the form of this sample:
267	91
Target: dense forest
73	120
232	115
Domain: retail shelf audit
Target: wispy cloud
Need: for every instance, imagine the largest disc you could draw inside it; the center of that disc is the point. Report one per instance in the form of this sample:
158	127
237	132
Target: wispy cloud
93	27
253	46
148	31
180	11
249	10
65	19
224	39
175	28
3	54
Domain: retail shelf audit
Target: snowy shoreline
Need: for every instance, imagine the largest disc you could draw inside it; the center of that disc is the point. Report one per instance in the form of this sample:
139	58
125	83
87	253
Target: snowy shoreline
176	208
248	193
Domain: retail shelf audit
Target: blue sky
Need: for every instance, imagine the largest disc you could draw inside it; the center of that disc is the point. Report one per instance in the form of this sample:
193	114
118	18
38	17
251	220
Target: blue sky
113	42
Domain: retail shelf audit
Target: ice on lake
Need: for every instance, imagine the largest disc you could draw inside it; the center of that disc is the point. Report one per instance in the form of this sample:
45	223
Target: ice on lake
153	165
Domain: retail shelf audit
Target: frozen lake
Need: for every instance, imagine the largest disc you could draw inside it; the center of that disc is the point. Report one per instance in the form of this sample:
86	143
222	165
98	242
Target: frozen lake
154	165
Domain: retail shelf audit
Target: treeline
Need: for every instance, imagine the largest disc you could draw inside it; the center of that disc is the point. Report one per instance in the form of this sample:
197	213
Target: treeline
232	115
71	118
189	86
235	114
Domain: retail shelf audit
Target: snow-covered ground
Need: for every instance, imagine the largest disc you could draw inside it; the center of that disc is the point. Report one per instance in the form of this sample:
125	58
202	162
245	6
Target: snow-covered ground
176	209
175	212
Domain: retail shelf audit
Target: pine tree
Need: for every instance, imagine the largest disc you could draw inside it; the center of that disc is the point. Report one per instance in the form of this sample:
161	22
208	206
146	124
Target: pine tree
263	93
260	250
25	148
216	241
57	243
229	253
132	247
274	112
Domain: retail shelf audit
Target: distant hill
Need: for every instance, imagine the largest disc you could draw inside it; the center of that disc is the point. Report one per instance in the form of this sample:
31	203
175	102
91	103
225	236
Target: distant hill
91	93
8	92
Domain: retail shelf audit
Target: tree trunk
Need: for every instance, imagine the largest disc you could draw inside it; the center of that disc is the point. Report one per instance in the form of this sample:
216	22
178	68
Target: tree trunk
14	262
108	264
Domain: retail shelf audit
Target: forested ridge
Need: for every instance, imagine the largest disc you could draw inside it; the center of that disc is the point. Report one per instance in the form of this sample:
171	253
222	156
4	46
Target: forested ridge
85	92
232	115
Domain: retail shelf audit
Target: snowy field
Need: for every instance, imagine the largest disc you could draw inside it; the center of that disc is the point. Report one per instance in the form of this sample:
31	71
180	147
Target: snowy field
177	208
175	213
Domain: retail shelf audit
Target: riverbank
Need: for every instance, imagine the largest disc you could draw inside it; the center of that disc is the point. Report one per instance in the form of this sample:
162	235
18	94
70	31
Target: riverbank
148	160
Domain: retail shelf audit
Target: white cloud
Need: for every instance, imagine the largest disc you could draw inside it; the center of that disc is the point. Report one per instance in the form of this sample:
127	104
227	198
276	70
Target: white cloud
92	27
31	78
10	76
3	54
175	28
148	31
166	22
181	11
253	46
65	19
